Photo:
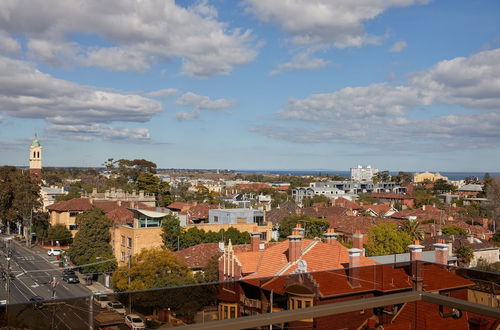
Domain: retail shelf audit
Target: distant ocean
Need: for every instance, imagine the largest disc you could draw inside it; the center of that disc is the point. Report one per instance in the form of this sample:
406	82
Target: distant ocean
450	175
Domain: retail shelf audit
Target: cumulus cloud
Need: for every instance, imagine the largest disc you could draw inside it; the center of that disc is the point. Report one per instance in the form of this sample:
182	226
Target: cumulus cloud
25	92
138	34
163	93
198	103
378	114
8	45
398	46
301	61
326	22
85	132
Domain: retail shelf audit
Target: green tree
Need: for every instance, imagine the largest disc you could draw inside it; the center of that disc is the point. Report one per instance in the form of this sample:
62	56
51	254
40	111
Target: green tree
40	227
59	233
382	176
237	237
412	228
453	230
74	192
91	243
211	270
424	196
385	238
309	201
442	186
403	178
464	255
312	227
171	232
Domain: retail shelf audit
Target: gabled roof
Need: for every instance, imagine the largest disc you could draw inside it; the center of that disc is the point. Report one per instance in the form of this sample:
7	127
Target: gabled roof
380	209
274	260
277	214
343	202
200	211
75	204
178	206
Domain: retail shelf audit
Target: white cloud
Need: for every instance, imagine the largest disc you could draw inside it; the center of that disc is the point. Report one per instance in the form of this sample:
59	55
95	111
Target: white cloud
301	61
8	45
377	115
325	22
398	46
26	92
199	103
85	132
163	93
140	32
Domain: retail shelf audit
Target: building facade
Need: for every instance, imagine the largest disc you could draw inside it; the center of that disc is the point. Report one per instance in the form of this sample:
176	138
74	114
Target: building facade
361	173
428	176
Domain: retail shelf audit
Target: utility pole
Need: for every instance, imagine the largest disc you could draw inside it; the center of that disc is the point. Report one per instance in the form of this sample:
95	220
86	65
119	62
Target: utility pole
129	280
91	312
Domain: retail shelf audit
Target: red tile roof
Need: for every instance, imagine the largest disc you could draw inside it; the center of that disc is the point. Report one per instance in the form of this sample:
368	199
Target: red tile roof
200	211
120	215
75	204
342	202
380	209
178	206
390	196
324	212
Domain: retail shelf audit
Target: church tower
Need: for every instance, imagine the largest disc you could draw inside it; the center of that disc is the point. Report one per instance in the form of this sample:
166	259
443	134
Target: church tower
36	158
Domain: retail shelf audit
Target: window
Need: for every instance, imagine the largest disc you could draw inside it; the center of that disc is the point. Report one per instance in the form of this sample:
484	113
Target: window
129	241
122	258
216	218
123	240
295	302
73	213
73	227
228	311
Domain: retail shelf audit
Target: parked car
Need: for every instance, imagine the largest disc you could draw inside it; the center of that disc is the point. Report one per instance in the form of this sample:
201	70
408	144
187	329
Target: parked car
101	300
70	276
54	252
135	322
38	302
116	306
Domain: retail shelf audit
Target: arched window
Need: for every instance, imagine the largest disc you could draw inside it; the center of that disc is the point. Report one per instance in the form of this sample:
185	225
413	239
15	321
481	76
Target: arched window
38	154
34	154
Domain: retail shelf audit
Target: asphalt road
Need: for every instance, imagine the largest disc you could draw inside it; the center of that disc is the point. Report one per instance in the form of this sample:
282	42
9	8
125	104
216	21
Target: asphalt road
32	275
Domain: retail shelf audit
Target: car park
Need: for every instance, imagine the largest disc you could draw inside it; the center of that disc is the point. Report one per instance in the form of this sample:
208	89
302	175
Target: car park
117	307
101	300
135	322
54	252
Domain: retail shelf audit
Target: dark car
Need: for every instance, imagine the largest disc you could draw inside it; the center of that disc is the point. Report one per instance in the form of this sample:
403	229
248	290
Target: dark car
70	277
38	302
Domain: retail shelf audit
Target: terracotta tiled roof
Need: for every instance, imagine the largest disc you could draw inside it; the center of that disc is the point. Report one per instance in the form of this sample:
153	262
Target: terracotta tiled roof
390	196
458	241
342	202
324	212
420	214
277	214
319	256
200	211
75	204
197	256
120	215
380	209
253	186
178	206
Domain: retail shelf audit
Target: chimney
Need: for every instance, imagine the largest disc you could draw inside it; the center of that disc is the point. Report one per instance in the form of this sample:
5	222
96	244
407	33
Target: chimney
298	228
294	246
441	249
353	271
423	207
416	265
470	239
357	240
255	240
330	236
485	223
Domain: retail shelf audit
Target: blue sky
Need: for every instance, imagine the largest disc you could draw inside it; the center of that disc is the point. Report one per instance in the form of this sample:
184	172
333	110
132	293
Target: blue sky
253	84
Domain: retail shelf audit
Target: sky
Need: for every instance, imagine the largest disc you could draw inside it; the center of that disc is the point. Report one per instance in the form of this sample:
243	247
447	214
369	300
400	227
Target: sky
253	84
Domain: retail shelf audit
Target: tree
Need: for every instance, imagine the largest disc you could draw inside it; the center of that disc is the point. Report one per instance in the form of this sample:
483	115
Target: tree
442	186
91	246
211	270
382	176
171	232
493	205
424	196
40	227
19	196
453	230
464	255
74	192
309	201
403	178
312	227
366	198
59	233
412	228
385	238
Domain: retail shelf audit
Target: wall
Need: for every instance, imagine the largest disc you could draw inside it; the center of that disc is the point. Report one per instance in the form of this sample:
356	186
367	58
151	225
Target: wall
142	238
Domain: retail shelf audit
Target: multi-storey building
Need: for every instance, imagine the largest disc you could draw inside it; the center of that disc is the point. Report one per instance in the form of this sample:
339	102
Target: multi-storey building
361	173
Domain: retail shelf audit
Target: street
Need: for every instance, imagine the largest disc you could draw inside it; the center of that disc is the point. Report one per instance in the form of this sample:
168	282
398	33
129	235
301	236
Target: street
32	275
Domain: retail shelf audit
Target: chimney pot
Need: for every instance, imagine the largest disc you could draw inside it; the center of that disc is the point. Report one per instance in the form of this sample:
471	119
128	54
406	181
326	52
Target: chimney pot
416	265
441	250
357	240
255	241
354	256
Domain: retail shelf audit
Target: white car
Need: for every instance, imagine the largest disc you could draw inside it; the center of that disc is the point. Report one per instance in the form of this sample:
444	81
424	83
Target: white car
101	300
135	322
116	306
54	252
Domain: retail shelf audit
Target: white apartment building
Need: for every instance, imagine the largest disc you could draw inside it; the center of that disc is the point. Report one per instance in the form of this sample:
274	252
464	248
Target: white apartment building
361	173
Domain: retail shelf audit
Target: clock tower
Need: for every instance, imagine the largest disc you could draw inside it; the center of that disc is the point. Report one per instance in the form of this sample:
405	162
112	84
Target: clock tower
36	158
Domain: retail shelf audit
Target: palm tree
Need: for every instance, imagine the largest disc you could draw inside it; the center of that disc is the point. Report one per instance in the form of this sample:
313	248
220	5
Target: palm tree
412	228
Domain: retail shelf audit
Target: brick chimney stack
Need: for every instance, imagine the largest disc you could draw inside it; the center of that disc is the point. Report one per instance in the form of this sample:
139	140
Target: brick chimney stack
416	265
298	228
255	240
330	236
294	246
441	249
357	240
354	255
